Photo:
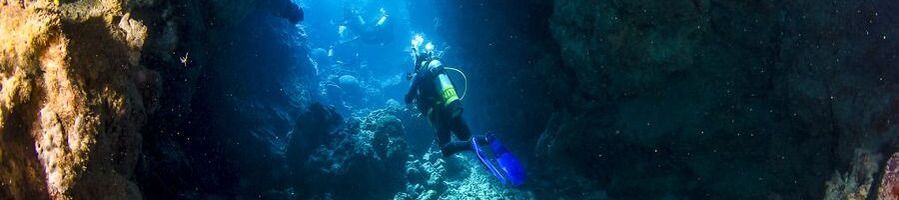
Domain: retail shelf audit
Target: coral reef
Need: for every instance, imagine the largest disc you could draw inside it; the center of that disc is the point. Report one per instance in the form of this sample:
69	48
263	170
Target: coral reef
432	176
327	155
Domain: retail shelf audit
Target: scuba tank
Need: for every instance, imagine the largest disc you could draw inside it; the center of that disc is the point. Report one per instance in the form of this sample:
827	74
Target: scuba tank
449	99
446	89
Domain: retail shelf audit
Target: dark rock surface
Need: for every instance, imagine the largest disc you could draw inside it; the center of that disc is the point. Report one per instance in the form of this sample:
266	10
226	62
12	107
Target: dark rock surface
368	153
230	107
73	99
778	94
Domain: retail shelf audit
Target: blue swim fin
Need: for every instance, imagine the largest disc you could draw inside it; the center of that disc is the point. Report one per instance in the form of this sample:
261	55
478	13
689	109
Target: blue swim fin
500	162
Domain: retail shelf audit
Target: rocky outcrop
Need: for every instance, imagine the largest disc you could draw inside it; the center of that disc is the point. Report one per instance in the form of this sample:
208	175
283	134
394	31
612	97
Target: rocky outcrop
856	183
369	152
74	96
870	177
889	183
326	155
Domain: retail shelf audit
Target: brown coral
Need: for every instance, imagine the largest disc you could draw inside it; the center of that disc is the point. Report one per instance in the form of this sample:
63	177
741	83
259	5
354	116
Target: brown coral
69	109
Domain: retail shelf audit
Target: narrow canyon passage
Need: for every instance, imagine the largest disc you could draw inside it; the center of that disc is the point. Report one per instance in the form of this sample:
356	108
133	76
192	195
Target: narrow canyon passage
310	99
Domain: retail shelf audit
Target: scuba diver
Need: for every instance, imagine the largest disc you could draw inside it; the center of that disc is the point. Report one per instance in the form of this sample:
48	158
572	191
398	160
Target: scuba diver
435	95
355	27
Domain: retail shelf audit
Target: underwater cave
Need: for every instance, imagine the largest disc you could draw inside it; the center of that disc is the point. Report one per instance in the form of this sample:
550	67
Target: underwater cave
466	99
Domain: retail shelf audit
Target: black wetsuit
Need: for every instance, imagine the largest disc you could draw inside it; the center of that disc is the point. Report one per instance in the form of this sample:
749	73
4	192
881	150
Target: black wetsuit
446	119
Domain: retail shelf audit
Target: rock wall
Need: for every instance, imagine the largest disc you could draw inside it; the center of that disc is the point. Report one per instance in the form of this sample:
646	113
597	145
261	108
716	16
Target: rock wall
230	107
81	79
74	97
779	95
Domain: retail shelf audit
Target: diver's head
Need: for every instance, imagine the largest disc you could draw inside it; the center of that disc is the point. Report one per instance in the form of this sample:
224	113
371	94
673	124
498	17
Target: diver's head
422	52
423	57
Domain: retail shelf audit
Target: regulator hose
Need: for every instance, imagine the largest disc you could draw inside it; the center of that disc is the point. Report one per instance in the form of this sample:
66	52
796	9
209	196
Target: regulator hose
464	78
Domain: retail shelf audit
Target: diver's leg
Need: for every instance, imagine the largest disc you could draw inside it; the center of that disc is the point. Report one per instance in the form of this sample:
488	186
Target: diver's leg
443	137
455	147
447	146
460	128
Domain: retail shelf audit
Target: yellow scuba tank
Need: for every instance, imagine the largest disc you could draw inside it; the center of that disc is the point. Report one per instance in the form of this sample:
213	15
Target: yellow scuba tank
446	89
443	82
